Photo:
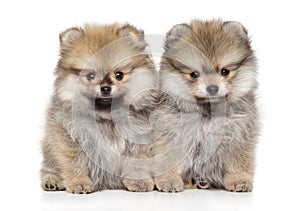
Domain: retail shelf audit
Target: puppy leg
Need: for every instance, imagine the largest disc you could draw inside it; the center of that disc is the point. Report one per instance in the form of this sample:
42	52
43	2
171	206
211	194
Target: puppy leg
51	181
50	173
78	182
238	182
74	173
67	158
169	182
139	185
239	170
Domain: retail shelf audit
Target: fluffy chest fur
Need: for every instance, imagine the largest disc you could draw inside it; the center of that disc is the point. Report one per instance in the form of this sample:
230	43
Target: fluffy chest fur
218	133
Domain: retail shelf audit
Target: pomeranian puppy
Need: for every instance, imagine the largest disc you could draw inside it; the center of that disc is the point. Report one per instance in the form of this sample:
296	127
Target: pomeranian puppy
209	71
97	128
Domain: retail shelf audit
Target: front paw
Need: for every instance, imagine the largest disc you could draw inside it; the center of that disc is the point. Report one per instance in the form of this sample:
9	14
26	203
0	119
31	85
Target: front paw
171	183
238	183
139	185
51	184
80	188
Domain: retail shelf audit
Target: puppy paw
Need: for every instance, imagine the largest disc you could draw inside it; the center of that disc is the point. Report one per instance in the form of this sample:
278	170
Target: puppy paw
238	184
139	185
201	183
80	188
51	184
169	184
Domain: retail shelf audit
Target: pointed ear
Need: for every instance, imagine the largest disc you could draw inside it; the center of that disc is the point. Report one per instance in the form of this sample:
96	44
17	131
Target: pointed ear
180	30
130	31
69	36
234	26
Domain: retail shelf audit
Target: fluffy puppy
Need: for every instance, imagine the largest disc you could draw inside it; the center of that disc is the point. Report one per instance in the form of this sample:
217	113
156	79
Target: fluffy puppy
209	70
98	119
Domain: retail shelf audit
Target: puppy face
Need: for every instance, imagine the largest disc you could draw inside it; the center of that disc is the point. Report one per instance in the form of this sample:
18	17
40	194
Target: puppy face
100	63
210	61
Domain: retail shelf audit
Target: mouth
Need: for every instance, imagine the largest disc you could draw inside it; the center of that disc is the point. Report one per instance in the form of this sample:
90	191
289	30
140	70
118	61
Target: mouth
103	103
203	100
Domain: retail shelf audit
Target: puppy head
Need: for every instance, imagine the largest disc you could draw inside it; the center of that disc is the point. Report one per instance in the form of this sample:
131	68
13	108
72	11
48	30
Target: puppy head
100	63
210	61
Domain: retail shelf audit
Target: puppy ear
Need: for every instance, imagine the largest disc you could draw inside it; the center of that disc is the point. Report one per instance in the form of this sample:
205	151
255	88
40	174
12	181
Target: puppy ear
133	35
130	31
69	36
179	30
236	27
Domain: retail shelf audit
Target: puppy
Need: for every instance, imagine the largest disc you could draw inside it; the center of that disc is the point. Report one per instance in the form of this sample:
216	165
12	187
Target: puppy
98	129
209	70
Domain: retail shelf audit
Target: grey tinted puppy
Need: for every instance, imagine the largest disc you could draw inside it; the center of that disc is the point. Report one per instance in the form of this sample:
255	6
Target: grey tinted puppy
209	70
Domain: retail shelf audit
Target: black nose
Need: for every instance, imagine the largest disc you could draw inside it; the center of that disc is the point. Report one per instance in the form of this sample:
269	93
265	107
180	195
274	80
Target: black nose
105	90
212	89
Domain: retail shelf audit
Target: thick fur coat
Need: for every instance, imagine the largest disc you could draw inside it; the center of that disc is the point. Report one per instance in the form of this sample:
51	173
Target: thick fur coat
98	126
209	70
109	127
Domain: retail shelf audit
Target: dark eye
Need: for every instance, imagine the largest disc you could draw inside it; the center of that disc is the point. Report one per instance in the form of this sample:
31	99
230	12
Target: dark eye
119	76
225	72
194	74
90	76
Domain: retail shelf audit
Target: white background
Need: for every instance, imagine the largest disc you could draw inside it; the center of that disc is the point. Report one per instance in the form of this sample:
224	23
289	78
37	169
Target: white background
29	52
